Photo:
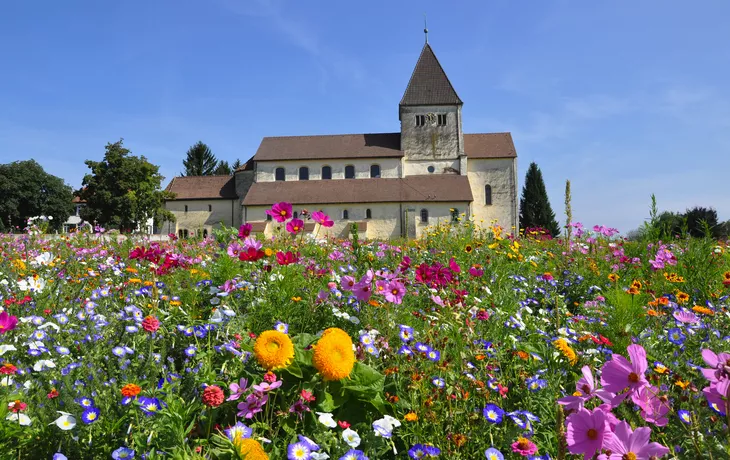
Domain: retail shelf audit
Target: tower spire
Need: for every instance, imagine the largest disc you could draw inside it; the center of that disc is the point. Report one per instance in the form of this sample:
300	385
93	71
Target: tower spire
425	26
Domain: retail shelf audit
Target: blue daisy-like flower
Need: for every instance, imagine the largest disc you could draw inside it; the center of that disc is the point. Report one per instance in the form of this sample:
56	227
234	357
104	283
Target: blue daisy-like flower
238	431
190	351
685	416
676	336
433	355
149	406
282	327
438	382
85	402
298	451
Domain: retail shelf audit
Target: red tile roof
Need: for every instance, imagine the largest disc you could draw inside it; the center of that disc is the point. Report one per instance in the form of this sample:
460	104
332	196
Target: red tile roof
380	145
429	84
437	188
203	187
491	145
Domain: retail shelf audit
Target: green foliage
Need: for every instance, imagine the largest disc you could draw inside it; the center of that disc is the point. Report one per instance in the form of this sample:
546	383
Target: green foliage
535	210
122	191
200	161
223	169
26	190
236	164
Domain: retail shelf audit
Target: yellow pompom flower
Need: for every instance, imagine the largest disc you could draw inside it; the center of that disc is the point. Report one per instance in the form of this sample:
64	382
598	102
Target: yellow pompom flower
333	354
562	345
273	350
250	449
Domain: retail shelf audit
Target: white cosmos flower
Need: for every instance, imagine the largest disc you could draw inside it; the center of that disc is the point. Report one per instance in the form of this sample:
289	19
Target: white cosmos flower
318	456
6	381
351	438
66	421
384	427
326	419
49	324
22	419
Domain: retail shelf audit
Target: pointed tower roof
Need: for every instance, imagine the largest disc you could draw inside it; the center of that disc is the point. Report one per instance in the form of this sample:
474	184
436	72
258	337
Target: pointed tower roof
429	84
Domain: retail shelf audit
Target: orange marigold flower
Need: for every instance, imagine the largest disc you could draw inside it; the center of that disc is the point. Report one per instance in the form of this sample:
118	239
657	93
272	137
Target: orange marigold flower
459	439
664	301
522	355
726	276
632	290
636	284
703	310
130	390
682	297
411	417
613	277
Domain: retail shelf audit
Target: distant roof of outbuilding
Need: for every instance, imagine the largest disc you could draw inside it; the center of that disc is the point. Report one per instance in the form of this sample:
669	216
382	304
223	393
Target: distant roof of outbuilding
436	188
429	84
203	187
380	145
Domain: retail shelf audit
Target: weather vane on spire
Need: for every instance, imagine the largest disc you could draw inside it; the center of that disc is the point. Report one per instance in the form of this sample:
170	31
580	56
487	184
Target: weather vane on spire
425	26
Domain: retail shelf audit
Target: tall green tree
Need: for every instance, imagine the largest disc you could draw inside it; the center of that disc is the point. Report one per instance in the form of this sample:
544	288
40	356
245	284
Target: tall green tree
236	164
122	191
702	222
223	169
26	190
535	210
199	161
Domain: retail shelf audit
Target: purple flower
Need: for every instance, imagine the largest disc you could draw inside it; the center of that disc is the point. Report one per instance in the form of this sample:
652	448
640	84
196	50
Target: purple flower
253	404
237	389
280	212
623	441
264	387
394	292
620	374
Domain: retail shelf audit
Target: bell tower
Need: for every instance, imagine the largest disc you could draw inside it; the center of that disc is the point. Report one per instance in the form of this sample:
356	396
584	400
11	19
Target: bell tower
430	117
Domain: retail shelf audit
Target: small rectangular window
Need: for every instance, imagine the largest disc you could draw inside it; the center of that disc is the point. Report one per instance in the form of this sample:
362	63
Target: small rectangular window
442	119
420	120
186	208
210	208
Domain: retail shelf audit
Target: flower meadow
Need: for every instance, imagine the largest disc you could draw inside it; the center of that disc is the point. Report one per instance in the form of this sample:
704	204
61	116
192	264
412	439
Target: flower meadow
464	344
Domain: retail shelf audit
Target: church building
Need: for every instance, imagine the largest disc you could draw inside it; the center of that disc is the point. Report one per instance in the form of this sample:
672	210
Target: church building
390	184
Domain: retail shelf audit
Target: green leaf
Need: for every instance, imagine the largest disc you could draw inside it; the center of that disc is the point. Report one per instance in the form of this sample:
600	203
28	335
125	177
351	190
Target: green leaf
294	369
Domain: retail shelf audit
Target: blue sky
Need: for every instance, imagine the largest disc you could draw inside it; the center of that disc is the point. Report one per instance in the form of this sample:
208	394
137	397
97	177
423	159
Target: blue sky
623	98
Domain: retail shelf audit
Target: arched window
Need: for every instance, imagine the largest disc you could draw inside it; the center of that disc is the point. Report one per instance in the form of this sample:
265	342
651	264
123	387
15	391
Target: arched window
205	233
488	194
186	208
345	215
280	174
349	172
296	214
185	233
424	216
180	233
368	214
210	207
326	172
303	173
454	215
374	170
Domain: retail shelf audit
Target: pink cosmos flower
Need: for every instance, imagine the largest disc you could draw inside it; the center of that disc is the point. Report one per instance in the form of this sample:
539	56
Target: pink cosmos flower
719	365
476	272
381	286
394	292
717	392
362	291
587	432
322	219
347	283
280	212
295	226
585	391
7	322
237	389
686	317
264	387
253	404
624	441
654	408
252	242
620	374
454	266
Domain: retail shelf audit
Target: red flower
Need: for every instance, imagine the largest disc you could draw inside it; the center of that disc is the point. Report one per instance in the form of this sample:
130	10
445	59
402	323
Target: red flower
251	255
8	369
17	406
343	424
150	324
53	394
269	377
213	396
307	395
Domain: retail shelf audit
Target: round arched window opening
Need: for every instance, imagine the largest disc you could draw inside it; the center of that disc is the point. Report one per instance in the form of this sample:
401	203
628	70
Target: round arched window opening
431	169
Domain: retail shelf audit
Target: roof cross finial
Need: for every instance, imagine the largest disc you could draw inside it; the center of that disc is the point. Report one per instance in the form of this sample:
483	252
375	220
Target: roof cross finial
425	26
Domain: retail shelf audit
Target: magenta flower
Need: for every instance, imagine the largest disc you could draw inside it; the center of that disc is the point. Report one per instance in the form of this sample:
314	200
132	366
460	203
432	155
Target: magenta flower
295	226
620	374
587	432
686	317
7	322
253	404
624	441
237	389
585	391
244	230
322	219
394	292
280	212
524	447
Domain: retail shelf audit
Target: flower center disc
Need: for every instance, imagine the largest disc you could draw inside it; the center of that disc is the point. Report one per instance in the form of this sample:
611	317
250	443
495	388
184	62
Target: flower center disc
629	456
272	346
592	434
633	378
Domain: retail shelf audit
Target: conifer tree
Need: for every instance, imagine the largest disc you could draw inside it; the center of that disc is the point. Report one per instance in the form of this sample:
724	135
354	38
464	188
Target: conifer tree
199	161
535	210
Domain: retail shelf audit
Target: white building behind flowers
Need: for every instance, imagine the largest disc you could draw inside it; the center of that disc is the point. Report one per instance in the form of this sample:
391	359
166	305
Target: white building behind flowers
390	184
